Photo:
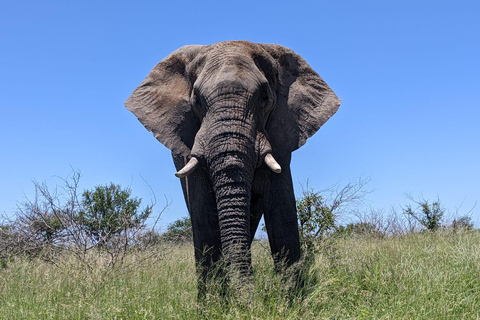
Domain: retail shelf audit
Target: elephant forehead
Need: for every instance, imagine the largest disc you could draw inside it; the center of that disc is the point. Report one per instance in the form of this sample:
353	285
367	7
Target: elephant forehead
229	62
230	70
230	54
234	61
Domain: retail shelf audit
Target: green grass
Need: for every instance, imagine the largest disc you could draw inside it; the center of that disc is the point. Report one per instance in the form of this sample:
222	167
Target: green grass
419	276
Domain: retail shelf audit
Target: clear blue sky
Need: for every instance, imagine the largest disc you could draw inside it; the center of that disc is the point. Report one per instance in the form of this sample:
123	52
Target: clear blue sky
408	74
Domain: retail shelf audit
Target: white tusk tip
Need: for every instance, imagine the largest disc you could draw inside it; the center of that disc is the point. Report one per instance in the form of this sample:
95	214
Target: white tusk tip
277	170
272	163
188	169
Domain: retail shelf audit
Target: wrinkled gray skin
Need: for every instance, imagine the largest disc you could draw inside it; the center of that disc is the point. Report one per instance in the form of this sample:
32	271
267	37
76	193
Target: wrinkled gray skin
228	105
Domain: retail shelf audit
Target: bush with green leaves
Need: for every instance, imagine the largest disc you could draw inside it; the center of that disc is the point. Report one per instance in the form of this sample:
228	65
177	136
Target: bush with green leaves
106	218
429	215
359	229
109	211
315	219
317	211
179	231
464	223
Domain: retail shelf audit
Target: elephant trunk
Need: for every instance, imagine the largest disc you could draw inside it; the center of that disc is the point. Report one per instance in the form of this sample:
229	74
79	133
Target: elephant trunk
232	187
231	159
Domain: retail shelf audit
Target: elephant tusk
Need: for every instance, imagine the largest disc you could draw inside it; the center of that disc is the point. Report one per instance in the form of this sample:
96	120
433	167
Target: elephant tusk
188	169
272	163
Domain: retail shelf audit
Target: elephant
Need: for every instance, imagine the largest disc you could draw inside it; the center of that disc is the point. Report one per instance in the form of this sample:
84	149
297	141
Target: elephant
232	113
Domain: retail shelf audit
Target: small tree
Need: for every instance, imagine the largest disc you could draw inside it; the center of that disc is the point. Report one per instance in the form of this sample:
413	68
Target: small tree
179	230
318	210
108	211
464	223
429	215
315	218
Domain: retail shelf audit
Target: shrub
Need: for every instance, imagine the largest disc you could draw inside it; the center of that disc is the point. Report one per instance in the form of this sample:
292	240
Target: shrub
179	231
106	220
429	215
315	218
359	229
317	211
109	212
464	223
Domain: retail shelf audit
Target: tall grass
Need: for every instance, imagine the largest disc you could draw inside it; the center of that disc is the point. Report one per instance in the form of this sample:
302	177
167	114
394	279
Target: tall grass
417	276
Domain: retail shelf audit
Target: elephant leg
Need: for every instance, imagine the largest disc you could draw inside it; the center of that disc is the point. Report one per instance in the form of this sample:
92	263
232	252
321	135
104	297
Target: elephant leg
200	200
281	217
256	211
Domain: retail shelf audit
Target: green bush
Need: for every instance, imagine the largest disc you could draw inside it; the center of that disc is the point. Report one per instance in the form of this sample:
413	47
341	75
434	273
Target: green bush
315	219
317	211
179	231
359	229
57	223
108	211
430	215
464	223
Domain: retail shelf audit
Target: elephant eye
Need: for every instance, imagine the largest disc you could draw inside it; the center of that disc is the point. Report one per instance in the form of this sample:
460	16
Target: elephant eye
197	105
264	100
196	99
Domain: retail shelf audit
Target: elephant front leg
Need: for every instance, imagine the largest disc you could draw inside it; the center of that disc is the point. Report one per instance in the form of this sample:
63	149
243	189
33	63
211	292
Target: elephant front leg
201	204
281	217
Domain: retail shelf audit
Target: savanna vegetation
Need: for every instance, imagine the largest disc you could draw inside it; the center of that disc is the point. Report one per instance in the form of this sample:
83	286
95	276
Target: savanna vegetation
98	255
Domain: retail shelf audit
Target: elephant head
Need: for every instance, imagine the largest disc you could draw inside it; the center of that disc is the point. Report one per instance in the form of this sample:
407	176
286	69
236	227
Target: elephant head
232	108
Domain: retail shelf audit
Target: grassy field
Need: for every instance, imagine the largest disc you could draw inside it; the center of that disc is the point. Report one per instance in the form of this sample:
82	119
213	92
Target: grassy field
418	276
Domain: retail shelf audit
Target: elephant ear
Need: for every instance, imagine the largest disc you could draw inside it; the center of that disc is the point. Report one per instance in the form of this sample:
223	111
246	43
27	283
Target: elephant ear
304	101
162	101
